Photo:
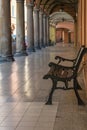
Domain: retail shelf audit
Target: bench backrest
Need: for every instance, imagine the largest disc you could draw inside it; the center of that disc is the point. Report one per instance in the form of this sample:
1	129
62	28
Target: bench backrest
78	55
82	51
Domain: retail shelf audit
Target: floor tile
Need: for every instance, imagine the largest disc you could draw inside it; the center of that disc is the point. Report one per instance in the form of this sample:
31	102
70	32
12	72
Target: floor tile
23	94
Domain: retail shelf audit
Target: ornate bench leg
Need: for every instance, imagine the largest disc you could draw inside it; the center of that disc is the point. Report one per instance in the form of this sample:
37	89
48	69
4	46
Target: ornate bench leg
80	102
78	86
66	85
49	101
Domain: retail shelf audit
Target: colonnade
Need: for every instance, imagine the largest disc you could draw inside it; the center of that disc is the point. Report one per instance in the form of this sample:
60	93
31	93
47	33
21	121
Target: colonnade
37	29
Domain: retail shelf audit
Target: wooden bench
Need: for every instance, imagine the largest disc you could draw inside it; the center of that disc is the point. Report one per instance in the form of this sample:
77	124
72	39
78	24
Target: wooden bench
62	73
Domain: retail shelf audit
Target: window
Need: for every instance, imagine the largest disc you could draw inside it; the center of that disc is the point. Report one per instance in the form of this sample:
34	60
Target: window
12	10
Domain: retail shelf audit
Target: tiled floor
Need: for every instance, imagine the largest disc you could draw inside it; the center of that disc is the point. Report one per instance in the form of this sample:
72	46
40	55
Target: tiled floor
27	116
23	93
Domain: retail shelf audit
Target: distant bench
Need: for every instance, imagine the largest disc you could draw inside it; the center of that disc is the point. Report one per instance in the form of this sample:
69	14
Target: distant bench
62	73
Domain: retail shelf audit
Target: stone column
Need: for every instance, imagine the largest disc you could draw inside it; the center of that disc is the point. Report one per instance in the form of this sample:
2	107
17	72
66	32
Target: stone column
41	28
20	29
69	37
83	22
75	33
44	31
85	26
85	58
36	28
79	23
30	27
48	31
5	31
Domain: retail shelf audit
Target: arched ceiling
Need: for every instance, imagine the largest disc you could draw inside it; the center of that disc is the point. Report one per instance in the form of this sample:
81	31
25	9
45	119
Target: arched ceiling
60	16
50	6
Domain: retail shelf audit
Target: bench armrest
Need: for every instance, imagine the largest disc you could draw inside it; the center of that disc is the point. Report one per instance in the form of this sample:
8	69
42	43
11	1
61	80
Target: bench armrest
51	64
63	59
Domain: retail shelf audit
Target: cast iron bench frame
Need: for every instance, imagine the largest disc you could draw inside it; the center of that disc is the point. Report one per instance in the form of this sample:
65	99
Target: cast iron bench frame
62	73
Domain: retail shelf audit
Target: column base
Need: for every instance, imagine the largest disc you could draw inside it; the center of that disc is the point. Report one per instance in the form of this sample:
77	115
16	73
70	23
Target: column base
9	58
46	45
38	47
22	53
43	46
31	49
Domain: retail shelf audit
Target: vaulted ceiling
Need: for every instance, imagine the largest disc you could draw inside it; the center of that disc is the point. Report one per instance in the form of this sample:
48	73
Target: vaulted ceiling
50	6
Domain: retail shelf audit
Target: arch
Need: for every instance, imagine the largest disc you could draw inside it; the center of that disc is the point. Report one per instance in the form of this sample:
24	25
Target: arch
60	17
67	25
69	6
65	35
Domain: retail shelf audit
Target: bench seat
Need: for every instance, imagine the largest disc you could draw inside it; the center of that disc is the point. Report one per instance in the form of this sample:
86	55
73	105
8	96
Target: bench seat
62	73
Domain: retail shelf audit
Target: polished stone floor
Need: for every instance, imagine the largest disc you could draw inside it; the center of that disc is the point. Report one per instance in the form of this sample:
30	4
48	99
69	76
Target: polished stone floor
23	93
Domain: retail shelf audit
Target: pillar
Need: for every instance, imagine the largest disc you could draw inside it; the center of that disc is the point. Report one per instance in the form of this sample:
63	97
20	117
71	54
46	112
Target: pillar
80	22
82	9
41	28
44	31
20	29
36	28
30	27
5	31
69	36
85	42
48	31
75	33
83	23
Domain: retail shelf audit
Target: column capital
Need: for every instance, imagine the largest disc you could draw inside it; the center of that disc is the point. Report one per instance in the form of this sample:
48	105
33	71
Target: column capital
41	11
30	4
48	16
20	1
36	9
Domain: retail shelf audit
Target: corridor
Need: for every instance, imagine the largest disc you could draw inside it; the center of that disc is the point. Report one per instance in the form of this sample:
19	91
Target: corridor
23	93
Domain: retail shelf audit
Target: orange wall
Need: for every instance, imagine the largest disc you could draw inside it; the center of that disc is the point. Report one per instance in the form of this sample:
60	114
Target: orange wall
65	27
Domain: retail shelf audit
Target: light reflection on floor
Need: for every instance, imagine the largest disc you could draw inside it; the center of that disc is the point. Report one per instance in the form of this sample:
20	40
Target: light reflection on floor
23	94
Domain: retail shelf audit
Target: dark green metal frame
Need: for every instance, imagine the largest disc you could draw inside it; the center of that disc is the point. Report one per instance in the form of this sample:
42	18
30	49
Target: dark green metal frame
55	78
